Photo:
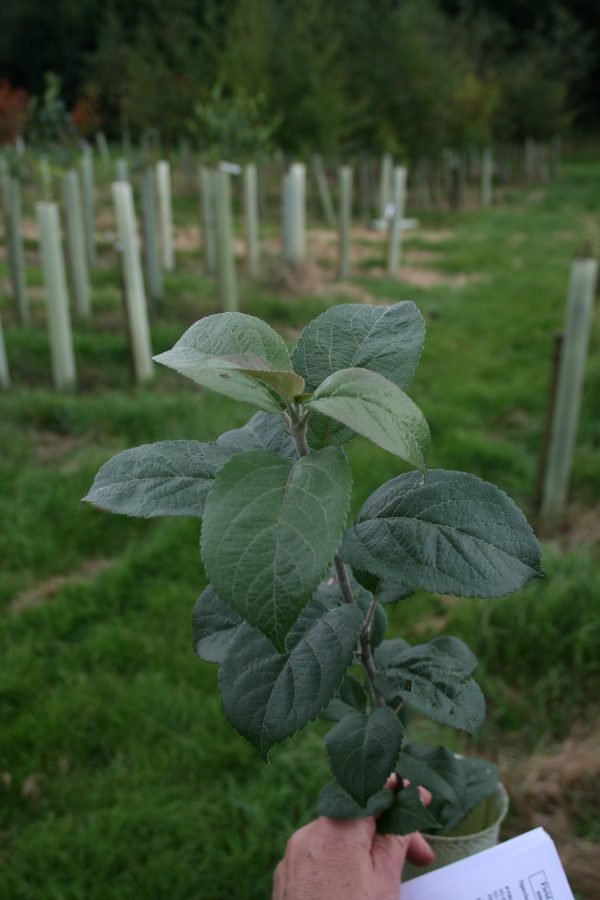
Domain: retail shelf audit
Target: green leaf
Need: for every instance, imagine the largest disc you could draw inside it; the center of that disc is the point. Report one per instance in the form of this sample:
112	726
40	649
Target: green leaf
389	592
337	804
363	750
349	697
436	769
458	649
269	695
407	814
452	533
435	684
264	431
236	355
378	409
457	784
214	625
327	596
169	478
322	432
271	528
387	340
389	651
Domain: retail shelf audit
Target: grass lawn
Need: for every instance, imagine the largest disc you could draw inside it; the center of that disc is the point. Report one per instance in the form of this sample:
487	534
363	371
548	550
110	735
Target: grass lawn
119	774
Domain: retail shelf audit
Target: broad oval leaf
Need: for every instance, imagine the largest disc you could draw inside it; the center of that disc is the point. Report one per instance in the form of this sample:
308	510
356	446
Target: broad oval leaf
387	340
349	697
236	355
234	333
436	685
378	409
384	339
269	695
322	432
264	431
457	784
363	750
327	596
169	478
451	533
336	803
456	648
271	528
214	625
389	651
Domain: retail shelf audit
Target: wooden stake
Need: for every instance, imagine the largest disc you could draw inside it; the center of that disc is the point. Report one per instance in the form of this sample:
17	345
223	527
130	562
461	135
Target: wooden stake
529	160
225	263
538	488
137	313
556	155
395	237
251	217
165	214
487	164
364	175
59	323
207	212
187	166
582	286
323	190
345	219
11	198
89	202
75	237
4	372
151	255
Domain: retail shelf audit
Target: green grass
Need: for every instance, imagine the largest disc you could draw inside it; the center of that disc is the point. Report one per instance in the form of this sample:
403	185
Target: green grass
122	777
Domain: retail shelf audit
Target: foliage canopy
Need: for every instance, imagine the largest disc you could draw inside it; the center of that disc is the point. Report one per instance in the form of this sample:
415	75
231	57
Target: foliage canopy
294	614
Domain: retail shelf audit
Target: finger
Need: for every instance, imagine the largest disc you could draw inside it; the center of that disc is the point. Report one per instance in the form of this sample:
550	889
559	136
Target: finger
425	796
419	852
392	783
278	882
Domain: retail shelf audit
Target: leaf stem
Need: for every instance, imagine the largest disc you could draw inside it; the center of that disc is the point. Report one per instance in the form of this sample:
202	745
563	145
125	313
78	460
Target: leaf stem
297	423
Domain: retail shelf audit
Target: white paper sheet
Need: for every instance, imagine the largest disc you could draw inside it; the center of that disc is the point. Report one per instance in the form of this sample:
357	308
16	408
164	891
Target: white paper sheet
525	868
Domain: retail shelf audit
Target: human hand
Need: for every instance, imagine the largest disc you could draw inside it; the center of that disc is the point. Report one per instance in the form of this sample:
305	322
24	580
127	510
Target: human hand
331	859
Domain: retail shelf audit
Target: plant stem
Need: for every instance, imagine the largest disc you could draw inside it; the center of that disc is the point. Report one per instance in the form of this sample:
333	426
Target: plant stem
365	655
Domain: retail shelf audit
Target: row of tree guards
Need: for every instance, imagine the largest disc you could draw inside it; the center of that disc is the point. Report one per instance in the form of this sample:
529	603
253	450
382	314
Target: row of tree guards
142	273
156	208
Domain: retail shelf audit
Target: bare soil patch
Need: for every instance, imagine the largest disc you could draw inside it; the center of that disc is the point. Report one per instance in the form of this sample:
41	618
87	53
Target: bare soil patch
553	790
420	277
187	239
307	278
44	591
431	236
50	447
581	527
